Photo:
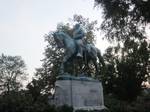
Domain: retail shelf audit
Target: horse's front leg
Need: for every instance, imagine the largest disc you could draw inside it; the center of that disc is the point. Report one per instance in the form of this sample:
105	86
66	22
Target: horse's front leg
61	71
62	67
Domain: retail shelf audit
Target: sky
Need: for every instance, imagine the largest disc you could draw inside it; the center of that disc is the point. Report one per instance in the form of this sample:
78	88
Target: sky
23	24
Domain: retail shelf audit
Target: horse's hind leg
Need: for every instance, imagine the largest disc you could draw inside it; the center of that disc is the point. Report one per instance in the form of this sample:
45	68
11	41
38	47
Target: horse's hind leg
61	71
64	62
62	65
96	67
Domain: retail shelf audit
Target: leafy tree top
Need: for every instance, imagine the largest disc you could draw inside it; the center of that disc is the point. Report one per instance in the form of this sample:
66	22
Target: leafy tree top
124	19
138	9
12	72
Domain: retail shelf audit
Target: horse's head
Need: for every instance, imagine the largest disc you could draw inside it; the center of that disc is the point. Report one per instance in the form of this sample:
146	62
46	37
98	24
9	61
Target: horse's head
58	39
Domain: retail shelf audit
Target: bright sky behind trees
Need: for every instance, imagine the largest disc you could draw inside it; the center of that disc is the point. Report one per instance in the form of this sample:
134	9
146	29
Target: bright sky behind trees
23	24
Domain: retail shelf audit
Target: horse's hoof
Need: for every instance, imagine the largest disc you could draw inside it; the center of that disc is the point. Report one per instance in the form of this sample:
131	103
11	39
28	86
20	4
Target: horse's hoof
79	55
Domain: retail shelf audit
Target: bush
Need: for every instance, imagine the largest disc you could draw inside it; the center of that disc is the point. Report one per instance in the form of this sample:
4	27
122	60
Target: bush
142	104
16	102
105	110
23	102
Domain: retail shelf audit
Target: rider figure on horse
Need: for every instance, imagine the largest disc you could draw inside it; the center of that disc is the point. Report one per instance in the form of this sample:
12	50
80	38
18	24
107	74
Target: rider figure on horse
78	35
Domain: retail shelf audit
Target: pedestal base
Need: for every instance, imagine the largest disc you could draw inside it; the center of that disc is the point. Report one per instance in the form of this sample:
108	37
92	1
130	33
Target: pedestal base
79	92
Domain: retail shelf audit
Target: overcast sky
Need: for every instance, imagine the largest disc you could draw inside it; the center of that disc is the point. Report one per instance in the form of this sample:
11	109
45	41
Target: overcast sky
23	23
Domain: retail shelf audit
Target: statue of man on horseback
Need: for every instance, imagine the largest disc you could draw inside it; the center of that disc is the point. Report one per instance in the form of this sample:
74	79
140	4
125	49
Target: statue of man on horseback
74	47
79	35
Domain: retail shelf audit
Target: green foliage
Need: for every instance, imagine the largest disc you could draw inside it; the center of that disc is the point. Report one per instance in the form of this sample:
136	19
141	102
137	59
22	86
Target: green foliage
115	105
12	72
128	62
138	9
126	69
91	110
23	101
124	19
15	102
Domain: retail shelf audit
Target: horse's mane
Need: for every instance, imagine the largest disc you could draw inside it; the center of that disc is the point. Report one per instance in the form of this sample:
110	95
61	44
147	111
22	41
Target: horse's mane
64	34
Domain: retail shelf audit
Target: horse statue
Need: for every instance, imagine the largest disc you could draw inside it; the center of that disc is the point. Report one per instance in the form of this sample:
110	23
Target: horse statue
63	40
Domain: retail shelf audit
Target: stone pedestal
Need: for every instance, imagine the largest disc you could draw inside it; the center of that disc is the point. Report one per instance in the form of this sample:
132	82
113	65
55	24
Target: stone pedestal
79	92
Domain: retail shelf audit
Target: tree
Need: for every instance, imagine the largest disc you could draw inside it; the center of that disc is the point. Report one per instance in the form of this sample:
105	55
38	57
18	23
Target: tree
12	72
138	9
40	86
125	22
124	19
127	68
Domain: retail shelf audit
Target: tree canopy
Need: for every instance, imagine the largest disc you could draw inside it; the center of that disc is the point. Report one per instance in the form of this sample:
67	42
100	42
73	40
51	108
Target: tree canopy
12	72
127	68
137	9
128	61
124	18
